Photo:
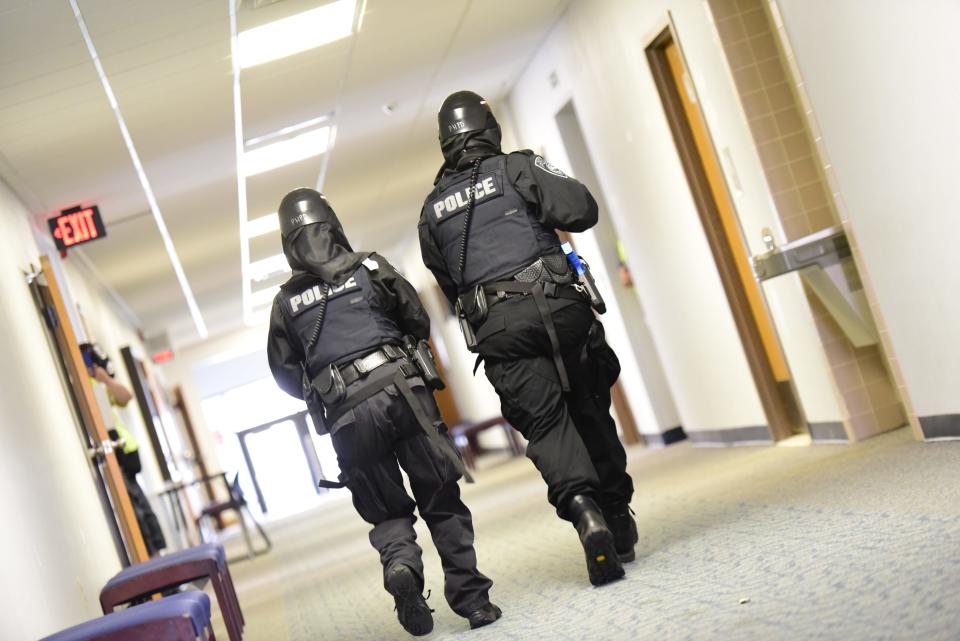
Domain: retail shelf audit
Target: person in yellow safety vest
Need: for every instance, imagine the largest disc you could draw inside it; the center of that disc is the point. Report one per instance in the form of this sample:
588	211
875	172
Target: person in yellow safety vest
128	453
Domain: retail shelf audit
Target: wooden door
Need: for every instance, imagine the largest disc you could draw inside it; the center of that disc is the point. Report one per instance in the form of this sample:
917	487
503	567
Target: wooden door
446	403
718	215
55	311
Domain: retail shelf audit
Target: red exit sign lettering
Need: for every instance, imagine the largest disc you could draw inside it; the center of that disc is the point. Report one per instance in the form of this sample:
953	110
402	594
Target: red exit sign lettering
76	226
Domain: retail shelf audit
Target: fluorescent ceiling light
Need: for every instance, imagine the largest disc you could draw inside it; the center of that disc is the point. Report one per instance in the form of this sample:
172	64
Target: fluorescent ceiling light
241	180
286	131
263	296
296	33
285	152
262	226
267	267
141	174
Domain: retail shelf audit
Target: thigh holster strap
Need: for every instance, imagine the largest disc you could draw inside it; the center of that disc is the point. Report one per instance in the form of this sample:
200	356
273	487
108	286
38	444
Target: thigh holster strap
398	378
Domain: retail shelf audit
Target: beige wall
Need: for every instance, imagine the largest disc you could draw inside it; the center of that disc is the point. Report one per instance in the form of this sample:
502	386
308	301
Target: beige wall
55	549
880	79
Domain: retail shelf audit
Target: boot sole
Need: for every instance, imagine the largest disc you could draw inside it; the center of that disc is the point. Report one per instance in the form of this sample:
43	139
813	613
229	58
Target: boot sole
412	611
603	562
628	557
485	622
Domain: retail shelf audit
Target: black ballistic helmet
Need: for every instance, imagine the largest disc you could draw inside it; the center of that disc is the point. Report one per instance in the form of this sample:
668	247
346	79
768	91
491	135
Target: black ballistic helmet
462	112
304	206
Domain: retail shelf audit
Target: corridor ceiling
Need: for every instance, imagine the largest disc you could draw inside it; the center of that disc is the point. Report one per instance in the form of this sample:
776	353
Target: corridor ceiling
170	67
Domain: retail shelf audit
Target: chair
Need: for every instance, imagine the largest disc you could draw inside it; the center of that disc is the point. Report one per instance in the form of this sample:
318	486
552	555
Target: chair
197	564
181	617
238	503
465	437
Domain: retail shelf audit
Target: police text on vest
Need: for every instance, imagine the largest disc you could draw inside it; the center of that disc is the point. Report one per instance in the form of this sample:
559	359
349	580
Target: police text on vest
314	294
461	199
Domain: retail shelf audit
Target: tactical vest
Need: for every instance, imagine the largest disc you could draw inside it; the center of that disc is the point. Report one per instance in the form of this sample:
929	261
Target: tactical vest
354	324
503	239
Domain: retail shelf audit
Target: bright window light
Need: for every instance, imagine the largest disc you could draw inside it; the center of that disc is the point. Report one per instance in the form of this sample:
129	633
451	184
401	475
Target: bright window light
262	226
296	33
263	296
285	152
267	267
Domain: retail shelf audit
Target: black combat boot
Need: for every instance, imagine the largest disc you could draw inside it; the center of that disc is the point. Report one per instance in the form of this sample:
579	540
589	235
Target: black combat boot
603	564
412	610
624	528
484	615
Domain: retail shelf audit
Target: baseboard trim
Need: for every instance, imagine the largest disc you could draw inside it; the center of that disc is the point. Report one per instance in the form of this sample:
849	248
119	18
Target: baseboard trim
753	435
671	436
940	427
828	432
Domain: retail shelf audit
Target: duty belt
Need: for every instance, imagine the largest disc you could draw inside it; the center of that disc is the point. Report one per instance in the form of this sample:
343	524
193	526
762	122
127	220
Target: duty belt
360	367
380	380
500	291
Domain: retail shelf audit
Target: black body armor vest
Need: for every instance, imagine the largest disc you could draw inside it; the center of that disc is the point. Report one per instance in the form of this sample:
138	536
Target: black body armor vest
503	237
354	324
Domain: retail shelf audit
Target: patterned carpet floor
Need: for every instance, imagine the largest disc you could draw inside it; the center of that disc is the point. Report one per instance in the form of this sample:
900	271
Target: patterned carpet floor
793	543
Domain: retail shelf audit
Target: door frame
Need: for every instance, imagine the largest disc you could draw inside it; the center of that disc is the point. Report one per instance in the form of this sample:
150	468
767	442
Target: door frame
180	405
54	310
780	420
299	420
147	403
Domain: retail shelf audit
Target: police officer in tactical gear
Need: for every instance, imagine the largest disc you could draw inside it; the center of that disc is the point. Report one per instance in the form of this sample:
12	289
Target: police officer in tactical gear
337	340
487	234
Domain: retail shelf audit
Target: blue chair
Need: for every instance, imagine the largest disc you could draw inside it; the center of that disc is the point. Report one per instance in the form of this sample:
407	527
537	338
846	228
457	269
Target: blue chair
181	617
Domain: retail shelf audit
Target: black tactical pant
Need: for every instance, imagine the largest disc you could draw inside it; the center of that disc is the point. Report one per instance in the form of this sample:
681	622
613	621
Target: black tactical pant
572	439
153	537
373	442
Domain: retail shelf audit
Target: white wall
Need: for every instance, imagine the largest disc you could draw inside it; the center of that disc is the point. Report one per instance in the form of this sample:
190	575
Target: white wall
597	53
56	549
881	77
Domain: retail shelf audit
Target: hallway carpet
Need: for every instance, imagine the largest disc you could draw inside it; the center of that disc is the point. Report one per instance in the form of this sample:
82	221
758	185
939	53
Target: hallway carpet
824	542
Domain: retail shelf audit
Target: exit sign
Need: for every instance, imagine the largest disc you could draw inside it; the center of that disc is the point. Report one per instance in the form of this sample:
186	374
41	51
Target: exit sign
76	226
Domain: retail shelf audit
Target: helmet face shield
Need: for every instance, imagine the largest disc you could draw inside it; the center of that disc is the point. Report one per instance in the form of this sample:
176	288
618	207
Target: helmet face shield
460	120
462	112
304	207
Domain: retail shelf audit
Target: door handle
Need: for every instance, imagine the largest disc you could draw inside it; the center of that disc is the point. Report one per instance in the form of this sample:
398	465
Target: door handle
101	449
823	248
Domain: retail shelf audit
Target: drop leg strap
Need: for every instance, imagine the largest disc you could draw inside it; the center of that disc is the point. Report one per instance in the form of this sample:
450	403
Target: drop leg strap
540	298
442	444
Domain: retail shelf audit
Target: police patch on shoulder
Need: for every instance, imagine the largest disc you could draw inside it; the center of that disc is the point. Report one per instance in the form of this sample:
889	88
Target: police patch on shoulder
543	164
